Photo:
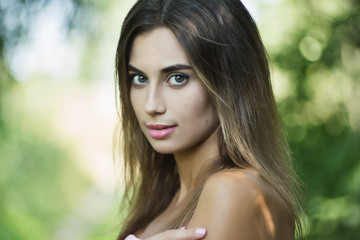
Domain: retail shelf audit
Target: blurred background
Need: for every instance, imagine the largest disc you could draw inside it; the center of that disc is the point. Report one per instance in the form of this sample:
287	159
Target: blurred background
57	112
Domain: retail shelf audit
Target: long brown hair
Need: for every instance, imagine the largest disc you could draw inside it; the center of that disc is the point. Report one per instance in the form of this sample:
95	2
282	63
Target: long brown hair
224	48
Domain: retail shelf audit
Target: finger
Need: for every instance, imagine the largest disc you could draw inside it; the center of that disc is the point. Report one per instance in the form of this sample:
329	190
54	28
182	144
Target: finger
181	234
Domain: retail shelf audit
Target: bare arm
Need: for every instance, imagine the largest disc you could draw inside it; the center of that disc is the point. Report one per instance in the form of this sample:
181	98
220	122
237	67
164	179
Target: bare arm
237	205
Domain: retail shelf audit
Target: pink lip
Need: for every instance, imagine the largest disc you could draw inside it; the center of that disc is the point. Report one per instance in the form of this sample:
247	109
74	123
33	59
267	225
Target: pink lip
159	131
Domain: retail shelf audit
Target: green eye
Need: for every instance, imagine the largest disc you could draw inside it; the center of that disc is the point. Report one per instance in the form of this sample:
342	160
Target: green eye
139	79
178	79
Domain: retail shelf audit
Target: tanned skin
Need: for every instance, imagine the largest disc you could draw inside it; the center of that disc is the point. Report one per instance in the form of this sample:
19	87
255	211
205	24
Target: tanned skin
234	204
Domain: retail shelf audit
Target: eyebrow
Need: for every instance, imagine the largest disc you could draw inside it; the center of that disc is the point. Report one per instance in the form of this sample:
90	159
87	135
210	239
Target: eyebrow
168	69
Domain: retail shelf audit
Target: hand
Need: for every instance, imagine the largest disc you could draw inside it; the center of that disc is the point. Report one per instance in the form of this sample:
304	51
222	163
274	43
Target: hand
176	234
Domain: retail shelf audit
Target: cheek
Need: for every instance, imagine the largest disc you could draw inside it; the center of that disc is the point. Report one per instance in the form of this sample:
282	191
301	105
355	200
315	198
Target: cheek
197	107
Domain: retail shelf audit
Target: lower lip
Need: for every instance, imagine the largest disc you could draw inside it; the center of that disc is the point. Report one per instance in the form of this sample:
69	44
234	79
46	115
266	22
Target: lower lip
161	133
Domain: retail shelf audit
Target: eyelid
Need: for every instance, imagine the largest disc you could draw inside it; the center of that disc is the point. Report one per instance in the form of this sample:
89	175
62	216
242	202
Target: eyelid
167	81
131	78
132	74
185	76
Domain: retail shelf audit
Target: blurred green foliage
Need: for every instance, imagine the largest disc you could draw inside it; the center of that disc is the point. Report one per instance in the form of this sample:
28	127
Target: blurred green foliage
316	61
320	54
39	182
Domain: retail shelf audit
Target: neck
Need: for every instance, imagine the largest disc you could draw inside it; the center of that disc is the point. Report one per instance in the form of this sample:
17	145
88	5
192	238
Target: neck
192	161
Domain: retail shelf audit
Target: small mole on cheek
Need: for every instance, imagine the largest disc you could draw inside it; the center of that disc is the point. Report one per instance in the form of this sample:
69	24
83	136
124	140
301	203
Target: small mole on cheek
206	121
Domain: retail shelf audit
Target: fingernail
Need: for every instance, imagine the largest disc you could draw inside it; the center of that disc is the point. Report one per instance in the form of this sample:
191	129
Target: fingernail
131	237
200	232
184	227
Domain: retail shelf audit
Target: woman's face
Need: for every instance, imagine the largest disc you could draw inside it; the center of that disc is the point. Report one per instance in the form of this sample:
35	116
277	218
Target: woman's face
173	109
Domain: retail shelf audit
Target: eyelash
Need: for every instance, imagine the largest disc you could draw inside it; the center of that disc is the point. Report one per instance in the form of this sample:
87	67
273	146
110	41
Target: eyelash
145	80
133	76
184	77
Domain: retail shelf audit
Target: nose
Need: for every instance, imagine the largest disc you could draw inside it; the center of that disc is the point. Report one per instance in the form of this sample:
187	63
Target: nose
154	102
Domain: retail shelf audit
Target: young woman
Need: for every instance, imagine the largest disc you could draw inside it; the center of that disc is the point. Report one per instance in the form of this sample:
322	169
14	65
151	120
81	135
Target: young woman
204	153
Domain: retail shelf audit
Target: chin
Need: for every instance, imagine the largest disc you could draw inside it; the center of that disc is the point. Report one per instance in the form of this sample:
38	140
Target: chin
163	148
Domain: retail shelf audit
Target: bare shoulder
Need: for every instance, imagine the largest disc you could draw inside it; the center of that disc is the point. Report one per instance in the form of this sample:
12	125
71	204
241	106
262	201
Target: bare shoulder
244	185
236	182
239	204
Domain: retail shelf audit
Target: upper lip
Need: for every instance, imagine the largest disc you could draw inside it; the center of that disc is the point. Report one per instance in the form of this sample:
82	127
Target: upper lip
158	126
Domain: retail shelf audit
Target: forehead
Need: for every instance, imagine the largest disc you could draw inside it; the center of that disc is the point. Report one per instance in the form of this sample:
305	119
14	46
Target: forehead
158	48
